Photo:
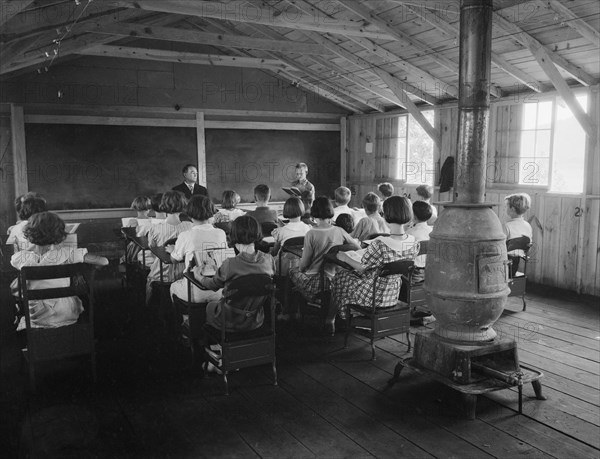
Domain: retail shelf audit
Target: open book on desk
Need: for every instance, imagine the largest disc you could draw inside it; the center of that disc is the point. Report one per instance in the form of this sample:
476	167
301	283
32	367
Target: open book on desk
292	191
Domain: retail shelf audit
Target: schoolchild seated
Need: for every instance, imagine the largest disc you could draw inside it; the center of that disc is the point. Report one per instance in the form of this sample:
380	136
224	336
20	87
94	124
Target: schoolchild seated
293	209
263	213
172	203
317	242
373	223
356	286
228	211
201	238
26	205
243	315
45	232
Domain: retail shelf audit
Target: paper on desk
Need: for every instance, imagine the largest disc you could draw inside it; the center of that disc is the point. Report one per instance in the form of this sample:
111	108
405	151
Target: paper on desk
356	255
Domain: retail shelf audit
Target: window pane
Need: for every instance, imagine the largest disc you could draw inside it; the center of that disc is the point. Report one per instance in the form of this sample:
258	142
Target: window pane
402	126
534	171
401	171
527	144
419	168
529	116
544	118
569	150
542	144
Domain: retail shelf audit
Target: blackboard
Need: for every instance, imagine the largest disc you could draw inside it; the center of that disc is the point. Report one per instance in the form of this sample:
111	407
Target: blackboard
93	166
242	159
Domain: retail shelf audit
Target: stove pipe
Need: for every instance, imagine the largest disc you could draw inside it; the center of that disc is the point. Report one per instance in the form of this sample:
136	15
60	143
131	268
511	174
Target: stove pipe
466	272
473	99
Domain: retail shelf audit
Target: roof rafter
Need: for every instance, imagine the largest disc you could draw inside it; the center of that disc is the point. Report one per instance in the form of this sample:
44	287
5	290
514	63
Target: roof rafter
216	39
341	72
365	13
183	57
497	59
583	28
241	11
407	40
319	88
10	8
359	61
533	44
33	50
320	81
369	66
565	92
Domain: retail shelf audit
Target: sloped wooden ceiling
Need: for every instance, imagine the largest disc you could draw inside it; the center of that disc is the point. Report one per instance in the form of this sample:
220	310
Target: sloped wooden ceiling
367	56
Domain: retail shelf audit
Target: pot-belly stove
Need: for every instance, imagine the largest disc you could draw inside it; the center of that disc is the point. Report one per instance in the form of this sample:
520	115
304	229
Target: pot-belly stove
466	274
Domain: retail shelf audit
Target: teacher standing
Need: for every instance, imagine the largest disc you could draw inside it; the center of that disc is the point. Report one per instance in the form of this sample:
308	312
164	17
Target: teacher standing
189	187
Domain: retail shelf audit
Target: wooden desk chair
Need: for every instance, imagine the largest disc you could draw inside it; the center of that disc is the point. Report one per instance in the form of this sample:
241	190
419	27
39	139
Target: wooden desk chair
322	301
135	273
293	246
267	228
44	344
6	251
376	323
413	293
263	245
246	348
196	311
517	281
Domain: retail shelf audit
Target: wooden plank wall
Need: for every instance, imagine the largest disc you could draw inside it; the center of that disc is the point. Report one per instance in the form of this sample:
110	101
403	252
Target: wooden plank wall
560	230
7	186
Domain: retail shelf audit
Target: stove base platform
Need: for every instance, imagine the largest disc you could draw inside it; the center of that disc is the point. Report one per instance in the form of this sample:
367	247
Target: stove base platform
482	385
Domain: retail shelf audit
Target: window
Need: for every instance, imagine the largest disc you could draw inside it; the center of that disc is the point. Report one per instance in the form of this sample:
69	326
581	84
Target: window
552	149
404	151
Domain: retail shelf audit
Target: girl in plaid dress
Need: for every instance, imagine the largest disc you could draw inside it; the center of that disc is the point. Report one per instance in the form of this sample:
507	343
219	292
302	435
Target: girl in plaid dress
356	287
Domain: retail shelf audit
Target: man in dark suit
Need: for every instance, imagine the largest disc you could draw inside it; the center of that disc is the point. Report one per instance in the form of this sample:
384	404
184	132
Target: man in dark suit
189	187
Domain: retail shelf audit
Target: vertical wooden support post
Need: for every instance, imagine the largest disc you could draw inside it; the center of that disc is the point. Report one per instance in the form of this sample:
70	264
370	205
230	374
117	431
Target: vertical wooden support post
19	153
343	150
201	147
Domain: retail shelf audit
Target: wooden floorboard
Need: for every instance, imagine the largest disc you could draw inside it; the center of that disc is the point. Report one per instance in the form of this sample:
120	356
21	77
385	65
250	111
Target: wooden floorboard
331	401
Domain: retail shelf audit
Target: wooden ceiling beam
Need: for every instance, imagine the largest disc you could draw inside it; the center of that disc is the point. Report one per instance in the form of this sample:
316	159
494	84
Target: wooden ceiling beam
10	8
241	11
571	20
404	39
216	39
183	57
369	66
395	85
319	80
71	45
366	14
57	14
545	61
534	45
337	70
297	80
500	62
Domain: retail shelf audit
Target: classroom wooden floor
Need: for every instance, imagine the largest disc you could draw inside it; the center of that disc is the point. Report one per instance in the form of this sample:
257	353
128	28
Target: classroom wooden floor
330	402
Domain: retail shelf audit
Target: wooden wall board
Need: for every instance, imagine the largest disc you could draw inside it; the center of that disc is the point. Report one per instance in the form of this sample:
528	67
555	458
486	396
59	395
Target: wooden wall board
568	252
551	253
590	270
7	185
